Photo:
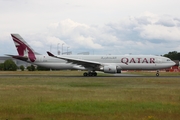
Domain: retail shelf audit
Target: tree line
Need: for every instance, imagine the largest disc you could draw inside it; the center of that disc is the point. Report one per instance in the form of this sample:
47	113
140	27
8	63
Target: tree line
174	55
9	65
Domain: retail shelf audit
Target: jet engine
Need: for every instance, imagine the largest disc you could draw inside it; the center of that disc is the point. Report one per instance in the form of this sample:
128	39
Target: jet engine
111	69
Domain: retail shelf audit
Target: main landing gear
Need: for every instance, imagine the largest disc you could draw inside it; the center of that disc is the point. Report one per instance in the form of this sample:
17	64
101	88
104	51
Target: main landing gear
157	74
90	74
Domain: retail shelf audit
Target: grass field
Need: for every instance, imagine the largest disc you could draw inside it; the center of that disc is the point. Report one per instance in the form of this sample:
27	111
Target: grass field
88	98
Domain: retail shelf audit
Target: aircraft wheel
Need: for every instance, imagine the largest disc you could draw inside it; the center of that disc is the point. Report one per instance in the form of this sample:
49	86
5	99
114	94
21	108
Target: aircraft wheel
90	74
157	74
85	74
95	74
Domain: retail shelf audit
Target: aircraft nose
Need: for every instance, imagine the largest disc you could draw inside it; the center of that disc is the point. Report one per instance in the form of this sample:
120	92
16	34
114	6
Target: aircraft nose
173	63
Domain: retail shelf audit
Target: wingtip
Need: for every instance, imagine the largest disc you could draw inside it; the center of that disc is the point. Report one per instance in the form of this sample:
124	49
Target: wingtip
49	53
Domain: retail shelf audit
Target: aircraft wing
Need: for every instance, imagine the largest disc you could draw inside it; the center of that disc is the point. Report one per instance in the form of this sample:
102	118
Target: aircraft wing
18	57
84	63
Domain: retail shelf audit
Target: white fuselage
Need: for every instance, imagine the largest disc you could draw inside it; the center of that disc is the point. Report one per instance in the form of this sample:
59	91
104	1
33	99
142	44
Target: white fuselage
123	62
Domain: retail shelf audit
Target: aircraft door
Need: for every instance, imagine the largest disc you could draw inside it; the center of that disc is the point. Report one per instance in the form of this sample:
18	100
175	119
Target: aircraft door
158	60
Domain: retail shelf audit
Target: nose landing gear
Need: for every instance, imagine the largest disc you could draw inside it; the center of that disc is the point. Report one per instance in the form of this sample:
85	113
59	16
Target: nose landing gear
157	74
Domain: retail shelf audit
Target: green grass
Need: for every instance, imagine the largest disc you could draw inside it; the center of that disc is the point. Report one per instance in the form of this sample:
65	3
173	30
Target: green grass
87	98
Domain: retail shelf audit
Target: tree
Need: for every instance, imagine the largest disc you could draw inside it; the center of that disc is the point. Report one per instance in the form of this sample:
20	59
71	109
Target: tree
22	68
1	66
174	55
31	68
40	68
9	65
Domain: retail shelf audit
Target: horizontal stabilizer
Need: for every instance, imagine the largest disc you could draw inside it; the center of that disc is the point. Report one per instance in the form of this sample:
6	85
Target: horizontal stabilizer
18	57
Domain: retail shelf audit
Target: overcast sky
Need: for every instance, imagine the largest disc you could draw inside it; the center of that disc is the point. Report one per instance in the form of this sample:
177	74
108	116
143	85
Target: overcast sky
95	26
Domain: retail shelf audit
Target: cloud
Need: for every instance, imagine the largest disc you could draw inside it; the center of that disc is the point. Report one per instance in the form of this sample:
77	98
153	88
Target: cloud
74	33
160	32
148	27
141	34
165	28
167	21
53	41
134	34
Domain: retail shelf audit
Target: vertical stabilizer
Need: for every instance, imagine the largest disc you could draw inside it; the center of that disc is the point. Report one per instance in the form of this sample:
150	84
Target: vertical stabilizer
23	48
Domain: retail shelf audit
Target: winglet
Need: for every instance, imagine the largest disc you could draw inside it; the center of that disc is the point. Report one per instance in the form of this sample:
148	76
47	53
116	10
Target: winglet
50	54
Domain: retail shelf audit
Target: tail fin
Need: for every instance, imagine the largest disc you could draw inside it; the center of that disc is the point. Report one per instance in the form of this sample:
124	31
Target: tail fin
23	48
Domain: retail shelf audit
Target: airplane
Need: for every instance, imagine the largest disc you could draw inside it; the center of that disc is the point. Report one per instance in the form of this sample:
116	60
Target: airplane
106	63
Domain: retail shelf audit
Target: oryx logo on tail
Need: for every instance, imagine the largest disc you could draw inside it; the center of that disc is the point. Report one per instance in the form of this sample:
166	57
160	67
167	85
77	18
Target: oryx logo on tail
23	48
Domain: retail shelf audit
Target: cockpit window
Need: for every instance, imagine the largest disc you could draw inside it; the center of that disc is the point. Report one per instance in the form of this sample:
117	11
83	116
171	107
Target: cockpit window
168	60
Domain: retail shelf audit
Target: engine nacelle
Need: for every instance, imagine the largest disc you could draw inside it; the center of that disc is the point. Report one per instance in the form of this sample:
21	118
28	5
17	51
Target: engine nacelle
110	69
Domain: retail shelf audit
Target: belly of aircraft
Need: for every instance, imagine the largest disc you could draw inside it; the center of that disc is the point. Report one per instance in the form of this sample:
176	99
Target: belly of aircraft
144	66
